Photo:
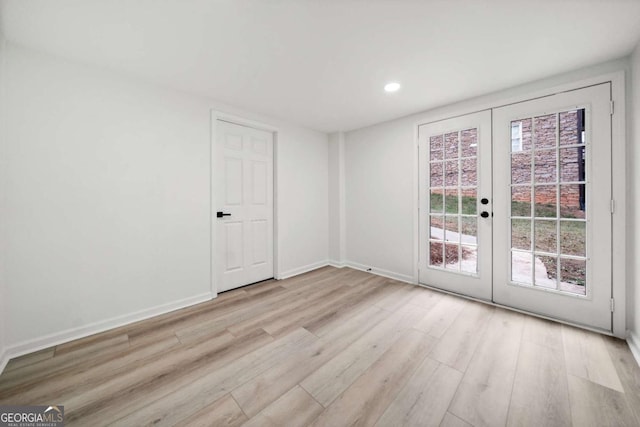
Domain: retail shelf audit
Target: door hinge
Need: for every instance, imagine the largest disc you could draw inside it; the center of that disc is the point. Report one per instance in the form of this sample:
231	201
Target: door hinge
611	107
612	305
613	206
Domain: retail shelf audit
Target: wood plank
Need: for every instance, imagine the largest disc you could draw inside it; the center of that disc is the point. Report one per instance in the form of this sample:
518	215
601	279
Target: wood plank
628	371
152	380
451	420
540	394
152	377
317	276
180	400
543	332
91	344
36	372
425	398
425	298
369	396
456	348
596	405
296	408
29	359
441	315
280	309
224	412
265	388
335	376
323	325
482	399
303	314
587	357
403	294
84	376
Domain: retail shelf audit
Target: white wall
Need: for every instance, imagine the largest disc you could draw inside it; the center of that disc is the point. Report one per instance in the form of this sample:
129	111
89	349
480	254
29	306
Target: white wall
3	312
633	290
105	208
380	165
336	199
302	192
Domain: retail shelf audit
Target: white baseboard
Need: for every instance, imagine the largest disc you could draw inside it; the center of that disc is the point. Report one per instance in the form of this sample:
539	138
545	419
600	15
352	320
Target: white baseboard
336	264
634	344
58	338
380	272
301	270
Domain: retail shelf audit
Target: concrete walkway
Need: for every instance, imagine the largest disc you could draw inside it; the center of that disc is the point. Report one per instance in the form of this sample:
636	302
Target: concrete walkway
520	268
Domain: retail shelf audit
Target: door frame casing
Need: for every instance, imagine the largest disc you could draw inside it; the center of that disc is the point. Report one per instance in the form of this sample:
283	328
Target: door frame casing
241	121
618	158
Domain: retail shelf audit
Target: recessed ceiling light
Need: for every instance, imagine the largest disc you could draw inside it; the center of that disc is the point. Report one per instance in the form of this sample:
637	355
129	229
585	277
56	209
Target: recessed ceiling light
392	87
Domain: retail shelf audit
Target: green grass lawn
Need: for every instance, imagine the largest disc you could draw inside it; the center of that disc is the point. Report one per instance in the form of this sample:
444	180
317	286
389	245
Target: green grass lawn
572	233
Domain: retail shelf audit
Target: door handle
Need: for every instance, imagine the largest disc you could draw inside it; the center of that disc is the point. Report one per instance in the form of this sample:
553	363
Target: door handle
221	214
484	214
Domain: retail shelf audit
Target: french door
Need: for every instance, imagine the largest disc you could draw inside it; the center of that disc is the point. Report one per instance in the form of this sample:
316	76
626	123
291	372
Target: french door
549	208
244	215
455	204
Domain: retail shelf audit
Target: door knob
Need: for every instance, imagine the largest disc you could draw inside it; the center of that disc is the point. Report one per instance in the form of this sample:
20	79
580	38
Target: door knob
484	201
221	214
484	214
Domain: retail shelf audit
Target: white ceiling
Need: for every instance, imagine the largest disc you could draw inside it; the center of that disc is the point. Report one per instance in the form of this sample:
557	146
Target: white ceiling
322	64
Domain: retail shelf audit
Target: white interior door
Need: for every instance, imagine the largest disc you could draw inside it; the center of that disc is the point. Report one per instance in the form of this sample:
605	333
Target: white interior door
455	204
244	215
552	205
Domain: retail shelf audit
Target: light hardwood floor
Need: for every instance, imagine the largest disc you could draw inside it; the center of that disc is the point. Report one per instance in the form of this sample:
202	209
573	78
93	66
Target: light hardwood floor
335	347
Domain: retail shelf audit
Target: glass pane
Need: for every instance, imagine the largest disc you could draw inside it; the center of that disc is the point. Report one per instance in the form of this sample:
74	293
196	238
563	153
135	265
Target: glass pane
521	168
521	201
469	262
521	267
437	200
572	164
451	256
451	173
546	268
437	175
451	201
469	142
435	254
521	234
526	134
573	201
545	205
436	230
545	131
569	134
546	238
469	229
469	172
436	147
451	145
469	201
573	238
573	276
545	166
451	229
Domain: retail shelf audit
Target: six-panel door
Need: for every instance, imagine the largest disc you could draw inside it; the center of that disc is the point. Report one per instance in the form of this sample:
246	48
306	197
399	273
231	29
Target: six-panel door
244	185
